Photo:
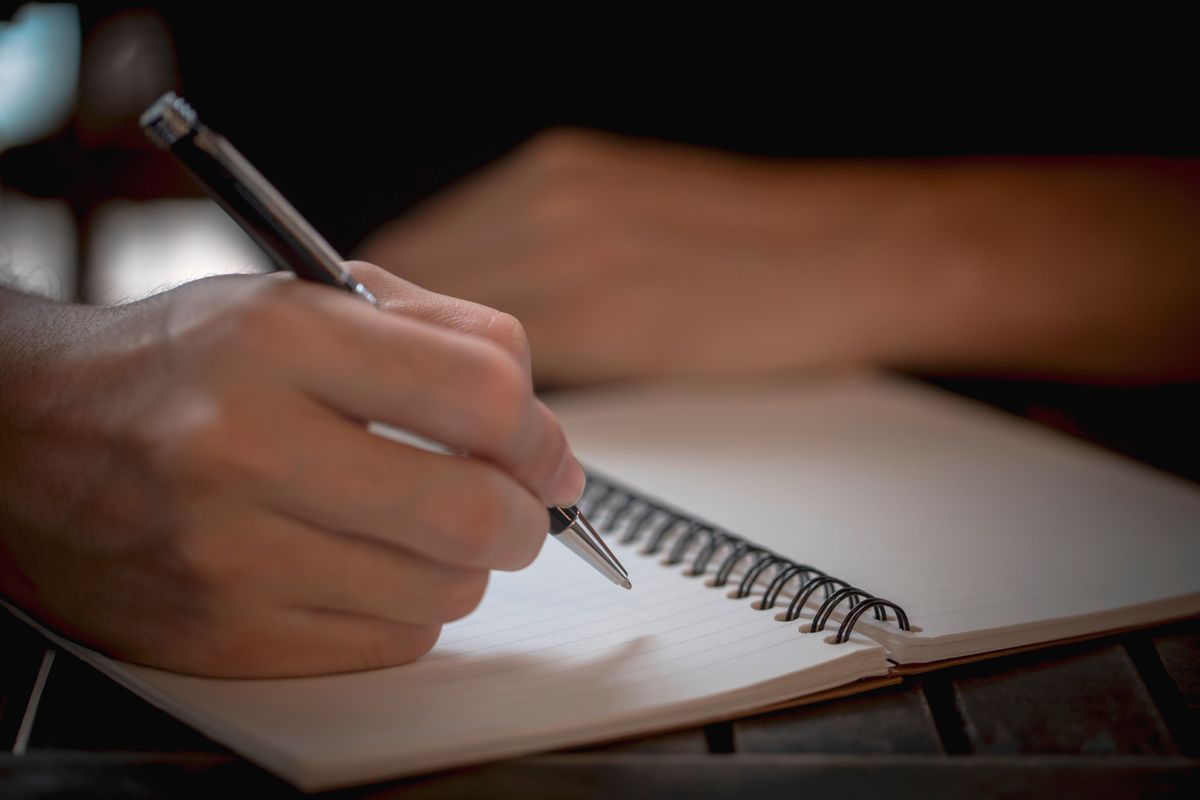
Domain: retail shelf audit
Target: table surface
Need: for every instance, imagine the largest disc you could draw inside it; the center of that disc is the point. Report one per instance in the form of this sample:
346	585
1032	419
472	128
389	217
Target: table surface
1114	716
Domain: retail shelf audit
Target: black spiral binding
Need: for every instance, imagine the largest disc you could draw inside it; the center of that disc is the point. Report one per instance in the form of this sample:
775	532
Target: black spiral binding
608	503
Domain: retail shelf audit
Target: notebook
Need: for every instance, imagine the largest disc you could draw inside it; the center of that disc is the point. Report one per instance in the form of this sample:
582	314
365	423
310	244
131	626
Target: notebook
907	526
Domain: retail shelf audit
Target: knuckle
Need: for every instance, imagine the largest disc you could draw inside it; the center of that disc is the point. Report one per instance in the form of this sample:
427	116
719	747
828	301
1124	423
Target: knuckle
479	527
205	561
507	331
202	447
265	315
503	392
419	641
378	647
194	557
368	273
461	595
211	442
553	446
516	524
389	645
276	322
228	650
563	203
561	148
566	177
391	291
533	526
496	523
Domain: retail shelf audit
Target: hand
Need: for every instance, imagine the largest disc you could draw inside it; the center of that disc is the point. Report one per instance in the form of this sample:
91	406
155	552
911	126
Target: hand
631	259
187	482
628	259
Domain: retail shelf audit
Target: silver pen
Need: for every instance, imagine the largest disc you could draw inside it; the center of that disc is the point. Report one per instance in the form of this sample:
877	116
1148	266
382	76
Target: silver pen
293	244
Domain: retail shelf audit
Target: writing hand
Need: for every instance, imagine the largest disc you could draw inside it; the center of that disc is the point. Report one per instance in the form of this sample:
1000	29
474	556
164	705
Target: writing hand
188	481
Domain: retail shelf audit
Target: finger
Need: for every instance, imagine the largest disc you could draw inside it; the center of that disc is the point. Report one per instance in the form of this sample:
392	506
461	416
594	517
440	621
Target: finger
461	391
311	568
456	510
321	641
293	642
400	296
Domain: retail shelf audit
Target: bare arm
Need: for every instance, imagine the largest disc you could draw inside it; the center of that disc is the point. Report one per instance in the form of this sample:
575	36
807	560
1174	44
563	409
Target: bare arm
628	259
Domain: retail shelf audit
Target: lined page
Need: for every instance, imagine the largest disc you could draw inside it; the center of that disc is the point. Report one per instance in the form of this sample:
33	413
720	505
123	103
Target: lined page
556	656
990	531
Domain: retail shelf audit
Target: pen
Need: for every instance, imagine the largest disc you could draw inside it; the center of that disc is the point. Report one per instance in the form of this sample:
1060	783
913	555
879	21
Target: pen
293	244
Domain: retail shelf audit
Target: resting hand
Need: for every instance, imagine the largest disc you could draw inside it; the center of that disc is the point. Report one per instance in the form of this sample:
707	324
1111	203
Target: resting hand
630	259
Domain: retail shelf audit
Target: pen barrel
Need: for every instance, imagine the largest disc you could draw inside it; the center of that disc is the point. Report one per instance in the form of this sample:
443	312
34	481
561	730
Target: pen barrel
562	518
260	210
569	527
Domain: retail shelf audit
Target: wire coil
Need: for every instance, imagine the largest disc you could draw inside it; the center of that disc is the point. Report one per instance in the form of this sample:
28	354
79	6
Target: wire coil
659	526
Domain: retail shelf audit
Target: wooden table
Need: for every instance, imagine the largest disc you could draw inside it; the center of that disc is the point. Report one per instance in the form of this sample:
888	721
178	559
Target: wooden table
1116	716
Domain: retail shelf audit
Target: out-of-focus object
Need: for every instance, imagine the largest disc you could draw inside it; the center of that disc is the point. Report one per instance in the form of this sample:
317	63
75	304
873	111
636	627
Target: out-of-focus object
138	249
128	61
39	71
37	246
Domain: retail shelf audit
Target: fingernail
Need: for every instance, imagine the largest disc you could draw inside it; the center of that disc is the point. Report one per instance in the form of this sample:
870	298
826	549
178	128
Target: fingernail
568	481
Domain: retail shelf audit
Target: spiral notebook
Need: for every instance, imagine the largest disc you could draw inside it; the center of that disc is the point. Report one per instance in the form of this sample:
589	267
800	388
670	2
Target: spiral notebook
786	542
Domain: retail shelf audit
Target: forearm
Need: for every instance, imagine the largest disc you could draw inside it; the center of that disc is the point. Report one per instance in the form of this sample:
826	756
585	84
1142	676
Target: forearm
629	259
41	344
33	333
1086	270
31	330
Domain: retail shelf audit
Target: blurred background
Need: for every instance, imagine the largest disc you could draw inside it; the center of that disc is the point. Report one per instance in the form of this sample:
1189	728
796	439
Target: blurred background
358	114
88	211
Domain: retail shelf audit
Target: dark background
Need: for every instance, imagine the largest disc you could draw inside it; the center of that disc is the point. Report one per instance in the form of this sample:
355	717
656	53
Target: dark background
359	110
389	109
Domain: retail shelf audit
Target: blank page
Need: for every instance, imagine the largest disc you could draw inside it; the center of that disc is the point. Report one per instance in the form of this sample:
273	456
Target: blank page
556	656
990	531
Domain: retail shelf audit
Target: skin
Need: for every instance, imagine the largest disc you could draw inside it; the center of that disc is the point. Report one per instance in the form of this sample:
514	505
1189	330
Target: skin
187	481
629	259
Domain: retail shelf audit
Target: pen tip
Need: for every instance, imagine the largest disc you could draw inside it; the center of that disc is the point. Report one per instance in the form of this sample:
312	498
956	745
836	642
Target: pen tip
626	584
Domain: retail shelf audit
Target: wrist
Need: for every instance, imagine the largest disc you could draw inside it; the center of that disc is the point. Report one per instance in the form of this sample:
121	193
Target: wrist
1078	268
35	334
39	432
860	259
